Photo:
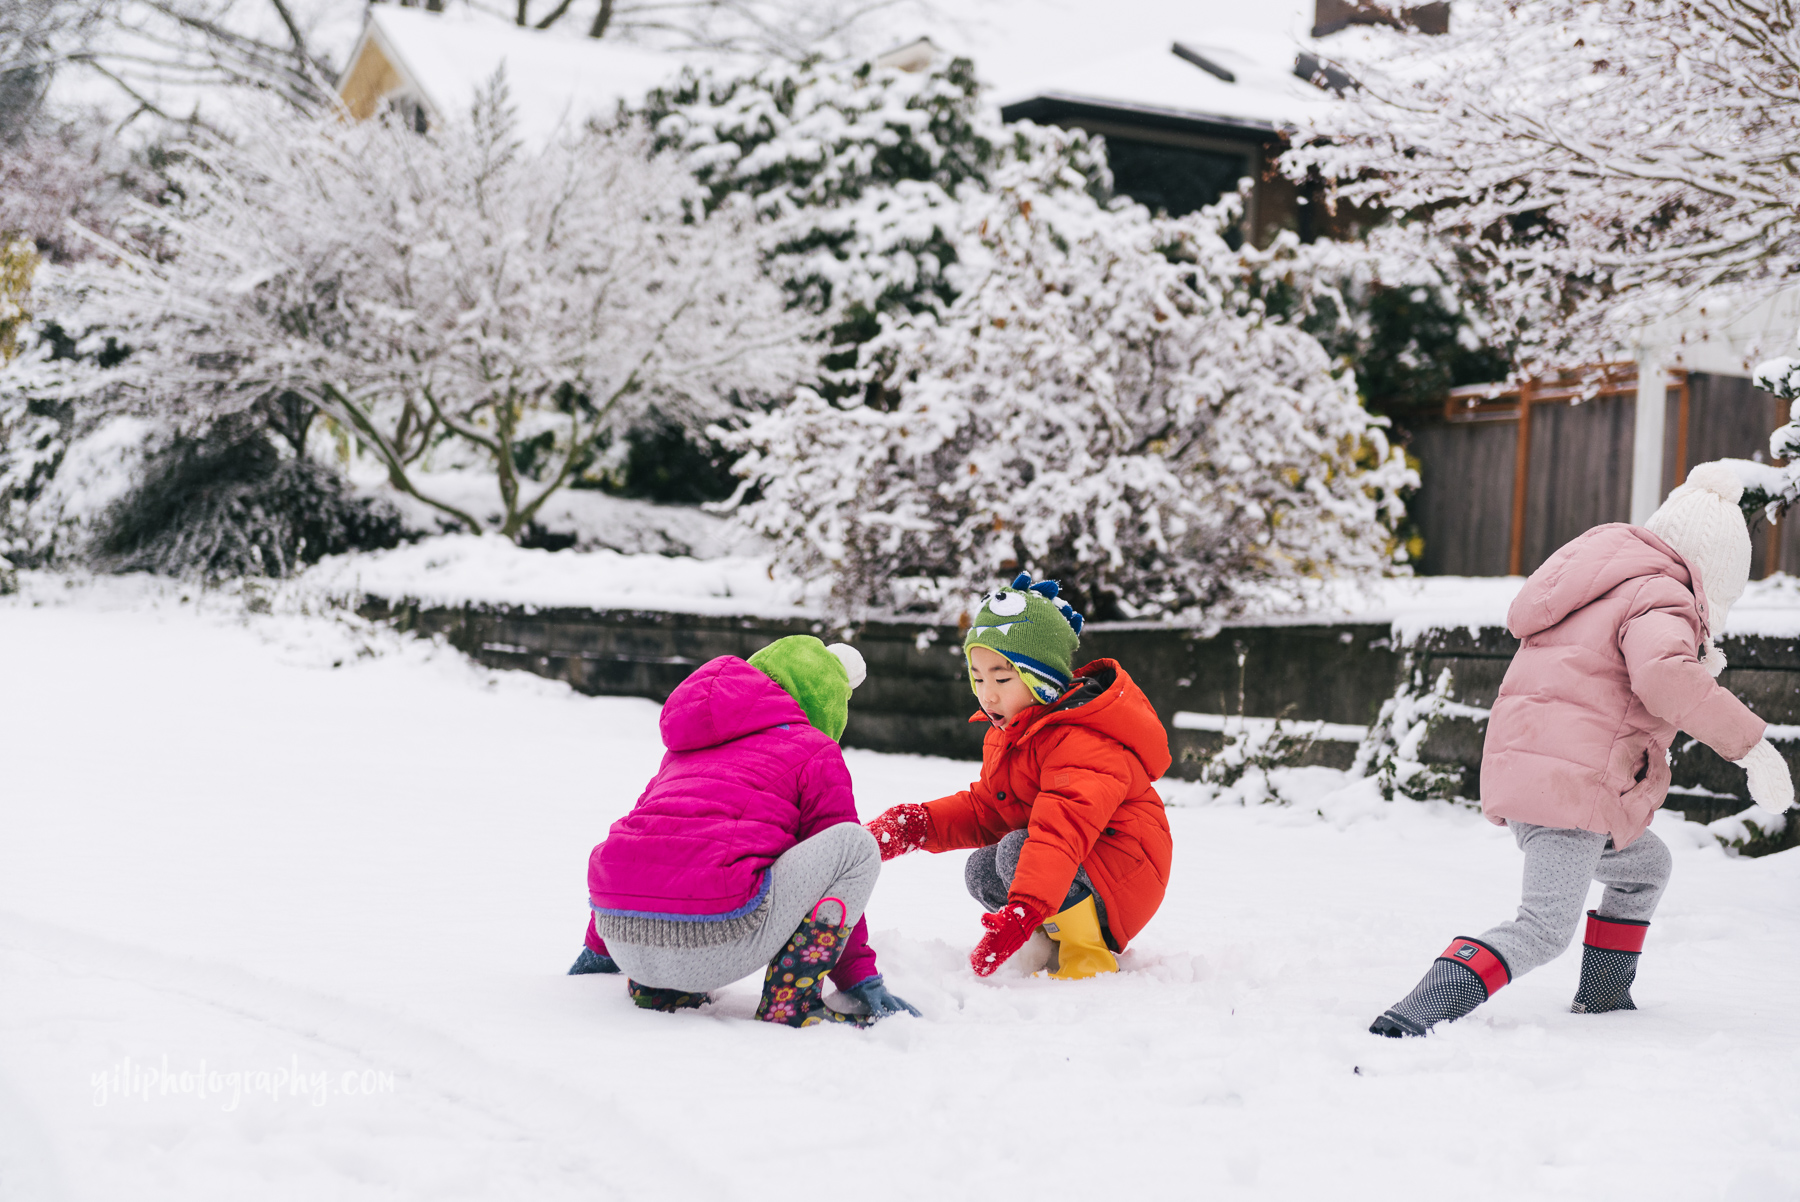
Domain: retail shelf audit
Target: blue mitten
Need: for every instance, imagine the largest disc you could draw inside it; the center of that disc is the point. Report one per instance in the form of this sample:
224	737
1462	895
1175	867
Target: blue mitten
592	961
873	994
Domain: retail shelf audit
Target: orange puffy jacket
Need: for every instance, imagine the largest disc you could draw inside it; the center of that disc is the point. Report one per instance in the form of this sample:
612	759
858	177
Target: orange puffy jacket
1077	774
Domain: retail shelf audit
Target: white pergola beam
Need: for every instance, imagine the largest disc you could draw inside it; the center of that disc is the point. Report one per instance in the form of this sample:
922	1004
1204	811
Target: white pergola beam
1649	422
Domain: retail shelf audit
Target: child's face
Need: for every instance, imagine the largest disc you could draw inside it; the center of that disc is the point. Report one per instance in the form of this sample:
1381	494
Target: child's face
1003	696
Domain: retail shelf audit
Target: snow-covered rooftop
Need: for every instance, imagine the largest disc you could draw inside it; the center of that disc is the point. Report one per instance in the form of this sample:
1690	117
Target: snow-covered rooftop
1157	80
1255	43
555	80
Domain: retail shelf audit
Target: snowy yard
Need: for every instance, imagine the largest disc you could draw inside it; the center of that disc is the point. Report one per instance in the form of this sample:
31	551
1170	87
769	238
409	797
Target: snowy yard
259	844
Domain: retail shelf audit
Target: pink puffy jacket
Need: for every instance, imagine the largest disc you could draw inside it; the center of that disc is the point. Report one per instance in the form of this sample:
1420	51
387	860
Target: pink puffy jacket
746	778
1612	626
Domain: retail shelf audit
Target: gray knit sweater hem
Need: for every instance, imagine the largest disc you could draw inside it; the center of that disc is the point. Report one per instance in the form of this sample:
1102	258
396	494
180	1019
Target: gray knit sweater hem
678	932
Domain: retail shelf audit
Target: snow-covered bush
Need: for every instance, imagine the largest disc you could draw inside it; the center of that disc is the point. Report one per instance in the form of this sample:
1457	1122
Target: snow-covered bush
1391	753
1409	314
1754	832
455	300
1766	488
1250	754
865	171
1603	163
1108	403
54	173
231	504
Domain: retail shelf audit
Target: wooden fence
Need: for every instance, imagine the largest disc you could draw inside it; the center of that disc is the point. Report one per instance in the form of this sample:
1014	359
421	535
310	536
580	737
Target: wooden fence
1499	494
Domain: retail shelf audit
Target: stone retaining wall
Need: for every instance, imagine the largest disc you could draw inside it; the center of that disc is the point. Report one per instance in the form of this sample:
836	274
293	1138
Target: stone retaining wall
916	699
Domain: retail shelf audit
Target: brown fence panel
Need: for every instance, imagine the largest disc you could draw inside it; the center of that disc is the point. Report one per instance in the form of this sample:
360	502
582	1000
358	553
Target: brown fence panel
1464	504
1580	472
1730	418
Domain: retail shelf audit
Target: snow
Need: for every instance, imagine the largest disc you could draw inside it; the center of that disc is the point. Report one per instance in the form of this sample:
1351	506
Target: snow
224	851
1153	79
594	519
555	82
453	569
1769	608
1260	729
1029	47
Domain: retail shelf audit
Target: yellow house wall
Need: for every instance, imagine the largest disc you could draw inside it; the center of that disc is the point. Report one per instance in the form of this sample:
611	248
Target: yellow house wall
371	78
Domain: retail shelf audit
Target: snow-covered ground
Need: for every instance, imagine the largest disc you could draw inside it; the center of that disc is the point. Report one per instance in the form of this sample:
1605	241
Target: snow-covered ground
273	844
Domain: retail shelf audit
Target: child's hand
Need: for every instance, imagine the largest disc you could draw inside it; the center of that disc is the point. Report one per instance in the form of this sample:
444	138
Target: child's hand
1008	929
1766	773
900	829
871	992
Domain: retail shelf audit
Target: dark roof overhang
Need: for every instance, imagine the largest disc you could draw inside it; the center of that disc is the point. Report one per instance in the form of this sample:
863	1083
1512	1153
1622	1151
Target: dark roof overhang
1055	108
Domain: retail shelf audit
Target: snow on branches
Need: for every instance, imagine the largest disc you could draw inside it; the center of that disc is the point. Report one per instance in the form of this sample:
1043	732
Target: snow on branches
452	300
865	169
1107	402
1606	162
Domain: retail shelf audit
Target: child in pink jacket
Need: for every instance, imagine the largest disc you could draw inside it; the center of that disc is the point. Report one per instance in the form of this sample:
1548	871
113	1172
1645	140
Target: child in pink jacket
1615	656
745	854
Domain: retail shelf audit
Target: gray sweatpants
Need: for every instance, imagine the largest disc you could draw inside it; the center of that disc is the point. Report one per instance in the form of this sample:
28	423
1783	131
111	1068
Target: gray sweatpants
1559	864
988	874
841	861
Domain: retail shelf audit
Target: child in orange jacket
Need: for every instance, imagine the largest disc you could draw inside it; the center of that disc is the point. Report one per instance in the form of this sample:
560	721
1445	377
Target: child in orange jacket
1070	834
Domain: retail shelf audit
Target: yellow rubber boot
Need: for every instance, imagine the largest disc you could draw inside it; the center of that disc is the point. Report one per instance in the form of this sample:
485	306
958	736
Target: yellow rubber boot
1080	948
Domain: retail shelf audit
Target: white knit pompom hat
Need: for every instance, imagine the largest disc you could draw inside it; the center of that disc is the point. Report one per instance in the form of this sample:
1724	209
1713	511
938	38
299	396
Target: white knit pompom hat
1702	521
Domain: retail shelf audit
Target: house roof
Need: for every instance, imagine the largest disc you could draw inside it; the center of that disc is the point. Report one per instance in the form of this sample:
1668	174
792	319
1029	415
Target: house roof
1229	66
442	60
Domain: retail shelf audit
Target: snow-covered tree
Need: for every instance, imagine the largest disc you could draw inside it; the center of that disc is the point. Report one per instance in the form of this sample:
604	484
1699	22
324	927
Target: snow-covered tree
1604	163
455	300
791	29
866	169
175	60
1107	402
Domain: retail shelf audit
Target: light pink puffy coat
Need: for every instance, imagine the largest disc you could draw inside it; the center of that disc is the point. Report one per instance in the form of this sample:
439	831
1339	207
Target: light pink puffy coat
1611	626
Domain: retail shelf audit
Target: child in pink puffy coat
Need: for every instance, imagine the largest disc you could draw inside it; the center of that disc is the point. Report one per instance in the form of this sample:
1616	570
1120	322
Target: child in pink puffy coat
1616	655
744	854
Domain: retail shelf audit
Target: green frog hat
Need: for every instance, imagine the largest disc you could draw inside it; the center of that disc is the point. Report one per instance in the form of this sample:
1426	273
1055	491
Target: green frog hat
1037	633
818	676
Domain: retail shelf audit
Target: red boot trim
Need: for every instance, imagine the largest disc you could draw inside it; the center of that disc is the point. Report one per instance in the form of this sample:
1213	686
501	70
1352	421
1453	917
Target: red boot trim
1483	959
1615	934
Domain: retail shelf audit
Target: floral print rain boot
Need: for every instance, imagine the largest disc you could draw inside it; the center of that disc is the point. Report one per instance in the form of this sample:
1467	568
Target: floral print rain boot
666	1000
794	987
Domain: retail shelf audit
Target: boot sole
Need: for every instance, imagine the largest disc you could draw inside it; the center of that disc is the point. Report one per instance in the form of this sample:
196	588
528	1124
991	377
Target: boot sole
1584	1008
1396	1026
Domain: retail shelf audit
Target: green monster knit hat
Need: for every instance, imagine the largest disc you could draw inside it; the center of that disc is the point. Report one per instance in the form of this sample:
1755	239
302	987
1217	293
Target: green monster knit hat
1032	629
820	678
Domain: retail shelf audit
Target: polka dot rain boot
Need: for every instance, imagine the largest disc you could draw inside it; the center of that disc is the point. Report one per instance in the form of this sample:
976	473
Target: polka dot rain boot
1466	975
1609	960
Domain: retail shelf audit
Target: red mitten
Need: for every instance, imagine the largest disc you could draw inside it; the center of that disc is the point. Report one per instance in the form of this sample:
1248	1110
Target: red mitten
1007	931
900	829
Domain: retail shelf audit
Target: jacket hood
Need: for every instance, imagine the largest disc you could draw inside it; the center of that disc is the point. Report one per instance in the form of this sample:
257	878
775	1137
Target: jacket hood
1588	568
1107	701
725	699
